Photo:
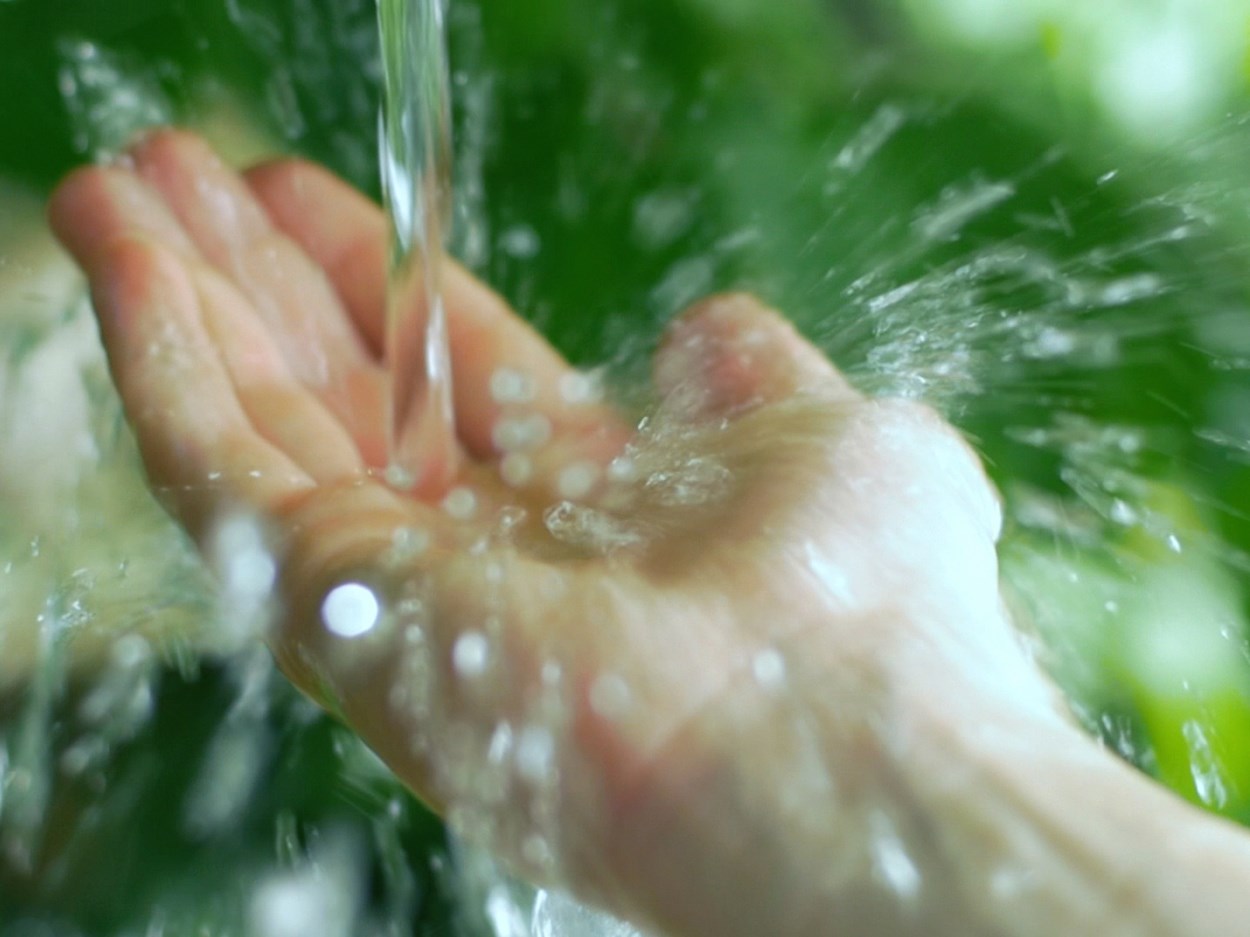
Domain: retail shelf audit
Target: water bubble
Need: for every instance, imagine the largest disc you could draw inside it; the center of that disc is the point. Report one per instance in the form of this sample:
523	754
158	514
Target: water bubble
460	503
516	469
536	851
399	477
552	673
508	385
515	434
577	480
610	696
623	469
351	610
663	216
510	517
535	753
769	669
581	387
520	241
407	543
471	654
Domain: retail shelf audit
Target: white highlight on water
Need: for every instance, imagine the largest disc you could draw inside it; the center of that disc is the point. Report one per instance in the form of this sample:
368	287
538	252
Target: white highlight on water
470	654
351	610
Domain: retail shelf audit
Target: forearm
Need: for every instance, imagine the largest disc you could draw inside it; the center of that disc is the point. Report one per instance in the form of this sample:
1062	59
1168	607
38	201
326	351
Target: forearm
1042	832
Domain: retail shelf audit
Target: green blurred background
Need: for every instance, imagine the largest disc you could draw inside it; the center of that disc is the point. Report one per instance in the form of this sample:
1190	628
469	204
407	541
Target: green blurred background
1033	214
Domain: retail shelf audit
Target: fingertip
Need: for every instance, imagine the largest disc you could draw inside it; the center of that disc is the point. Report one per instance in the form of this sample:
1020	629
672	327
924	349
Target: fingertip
154	147
76	211
281	176
63	205
730	353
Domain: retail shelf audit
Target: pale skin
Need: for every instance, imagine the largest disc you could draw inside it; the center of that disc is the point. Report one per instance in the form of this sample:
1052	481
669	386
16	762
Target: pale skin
789	705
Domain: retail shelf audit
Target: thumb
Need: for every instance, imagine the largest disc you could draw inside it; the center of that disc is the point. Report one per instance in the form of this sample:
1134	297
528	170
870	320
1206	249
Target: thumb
730	354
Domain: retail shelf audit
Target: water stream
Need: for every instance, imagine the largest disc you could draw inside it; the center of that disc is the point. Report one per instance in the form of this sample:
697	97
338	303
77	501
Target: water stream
415	150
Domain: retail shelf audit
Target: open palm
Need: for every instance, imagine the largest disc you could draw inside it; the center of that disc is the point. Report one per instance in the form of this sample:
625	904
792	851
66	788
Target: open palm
591	645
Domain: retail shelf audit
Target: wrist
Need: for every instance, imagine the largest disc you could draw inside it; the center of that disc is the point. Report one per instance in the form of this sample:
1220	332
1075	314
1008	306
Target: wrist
1038	830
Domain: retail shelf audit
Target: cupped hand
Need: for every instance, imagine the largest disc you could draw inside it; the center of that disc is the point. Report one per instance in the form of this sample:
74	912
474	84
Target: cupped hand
665	665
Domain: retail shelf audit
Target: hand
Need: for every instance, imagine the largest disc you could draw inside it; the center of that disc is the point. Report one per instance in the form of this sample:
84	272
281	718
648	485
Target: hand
673	668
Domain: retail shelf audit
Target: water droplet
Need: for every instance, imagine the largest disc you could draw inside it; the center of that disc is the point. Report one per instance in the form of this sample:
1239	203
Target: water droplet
460	503
580	387
769	669
517	434
471	654
399	478
535	753
408	543
350	610
508	385
623	469
552	673
510	518
520	241
610	696
577	480
662	217
516	470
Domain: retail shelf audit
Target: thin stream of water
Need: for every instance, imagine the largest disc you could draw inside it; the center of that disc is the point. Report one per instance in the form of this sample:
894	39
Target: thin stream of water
415	153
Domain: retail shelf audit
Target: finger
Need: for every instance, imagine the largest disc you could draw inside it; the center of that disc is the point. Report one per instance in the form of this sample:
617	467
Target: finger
196	440
96	205
491	347
233	232
283	411
730	354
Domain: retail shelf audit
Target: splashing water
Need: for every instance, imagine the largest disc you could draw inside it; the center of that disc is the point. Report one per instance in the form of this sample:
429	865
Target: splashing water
415	153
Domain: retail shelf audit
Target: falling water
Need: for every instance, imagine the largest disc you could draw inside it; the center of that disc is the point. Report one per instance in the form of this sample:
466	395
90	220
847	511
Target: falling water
415	153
